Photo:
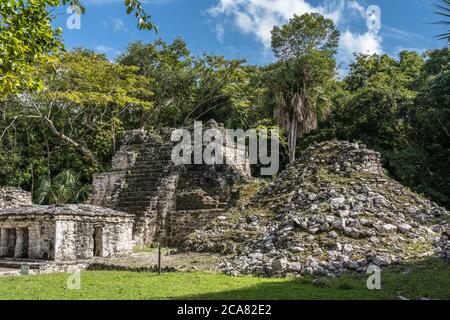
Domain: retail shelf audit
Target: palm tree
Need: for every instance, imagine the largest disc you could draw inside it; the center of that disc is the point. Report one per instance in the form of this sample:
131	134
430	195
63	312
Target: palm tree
444	11
63	188
298	112
304	47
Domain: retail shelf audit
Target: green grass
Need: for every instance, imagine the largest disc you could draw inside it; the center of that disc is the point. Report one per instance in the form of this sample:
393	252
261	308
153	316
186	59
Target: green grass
430	278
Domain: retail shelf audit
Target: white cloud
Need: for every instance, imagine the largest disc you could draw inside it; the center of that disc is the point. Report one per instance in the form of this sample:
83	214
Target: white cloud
400	35
118	25
220	31
258	17
103	49
368	42
354	5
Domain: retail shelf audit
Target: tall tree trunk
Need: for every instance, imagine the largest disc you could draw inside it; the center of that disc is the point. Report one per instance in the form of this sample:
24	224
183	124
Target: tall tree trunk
292	139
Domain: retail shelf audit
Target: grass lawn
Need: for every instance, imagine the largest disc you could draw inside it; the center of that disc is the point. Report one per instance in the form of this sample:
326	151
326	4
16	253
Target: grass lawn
430	278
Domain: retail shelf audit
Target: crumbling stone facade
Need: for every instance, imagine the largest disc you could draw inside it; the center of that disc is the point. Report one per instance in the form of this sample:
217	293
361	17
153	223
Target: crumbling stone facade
64	233
14	197
168	201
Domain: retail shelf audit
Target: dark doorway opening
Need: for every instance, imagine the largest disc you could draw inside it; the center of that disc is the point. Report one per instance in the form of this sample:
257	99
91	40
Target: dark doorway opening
98	242
21	248
11	243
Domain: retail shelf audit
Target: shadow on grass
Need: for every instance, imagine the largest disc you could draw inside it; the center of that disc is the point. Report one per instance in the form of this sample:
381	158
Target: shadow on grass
428	278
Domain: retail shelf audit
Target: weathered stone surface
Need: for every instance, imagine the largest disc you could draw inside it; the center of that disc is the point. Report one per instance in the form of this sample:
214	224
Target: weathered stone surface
13	197
64	232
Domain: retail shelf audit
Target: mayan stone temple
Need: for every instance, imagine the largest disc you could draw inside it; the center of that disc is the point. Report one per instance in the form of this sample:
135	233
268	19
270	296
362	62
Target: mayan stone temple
144	199
169	202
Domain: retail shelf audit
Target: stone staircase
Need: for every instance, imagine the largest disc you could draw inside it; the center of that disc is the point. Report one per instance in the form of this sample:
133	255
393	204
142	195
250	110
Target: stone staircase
142	191
149	190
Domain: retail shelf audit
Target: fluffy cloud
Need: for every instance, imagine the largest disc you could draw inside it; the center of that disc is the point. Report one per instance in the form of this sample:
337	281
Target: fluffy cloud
369	42
258	17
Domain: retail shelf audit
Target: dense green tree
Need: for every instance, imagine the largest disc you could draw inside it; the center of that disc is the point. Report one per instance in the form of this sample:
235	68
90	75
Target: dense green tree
306	66
191	88
401	108
74	123
27	37
430	126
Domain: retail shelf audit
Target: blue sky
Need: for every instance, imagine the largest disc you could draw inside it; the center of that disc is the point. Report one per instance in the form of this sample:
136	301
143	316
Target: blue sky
241	28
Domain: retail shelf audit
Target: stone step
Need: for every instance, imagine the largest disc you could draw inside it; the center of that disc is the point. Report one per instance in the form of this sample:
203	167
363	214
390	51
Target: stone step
145	185
155	161
146	173
222	205
155	153
138	194
137	198
17	264
151	167
147	155
142	187
159	160
142	204
143	179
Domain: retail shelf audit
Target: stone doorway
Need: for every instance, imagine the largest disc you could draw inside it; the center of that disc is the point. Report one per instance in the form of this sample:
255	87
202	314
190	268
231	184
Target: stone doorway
98	242
7	242
21	245
14	242
10	242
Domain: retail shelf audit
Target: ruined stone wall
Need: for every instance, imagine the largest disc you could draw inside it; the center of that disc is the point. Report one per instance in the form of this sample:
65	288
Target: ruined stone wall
14	197
74	238
107	188
108	185
179	224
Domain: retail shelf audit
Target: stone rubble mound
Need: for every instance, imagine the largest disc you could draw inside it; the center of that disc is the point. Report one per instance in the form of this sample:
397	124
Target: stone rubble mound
334	210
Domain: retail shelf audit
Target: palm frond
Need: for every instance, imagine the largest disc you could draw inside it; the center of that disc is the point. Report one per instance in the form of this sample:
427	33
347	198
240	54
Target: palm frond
444	11
63	188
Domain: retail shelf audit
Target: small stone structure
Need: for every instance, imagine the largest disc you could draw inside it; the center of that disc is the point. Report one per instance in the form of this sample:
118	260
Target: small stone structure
64	232
169	201
14	197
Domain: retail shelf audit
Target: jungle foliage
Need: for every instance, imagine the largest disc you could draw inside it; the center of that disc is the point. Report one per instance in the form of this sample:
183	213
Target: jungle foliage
63	122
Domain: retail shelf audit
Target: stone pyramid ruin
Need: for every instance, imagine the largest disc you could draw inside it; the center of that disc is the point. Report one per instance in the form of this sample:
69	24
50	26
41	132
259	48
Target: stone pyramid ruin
333	210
